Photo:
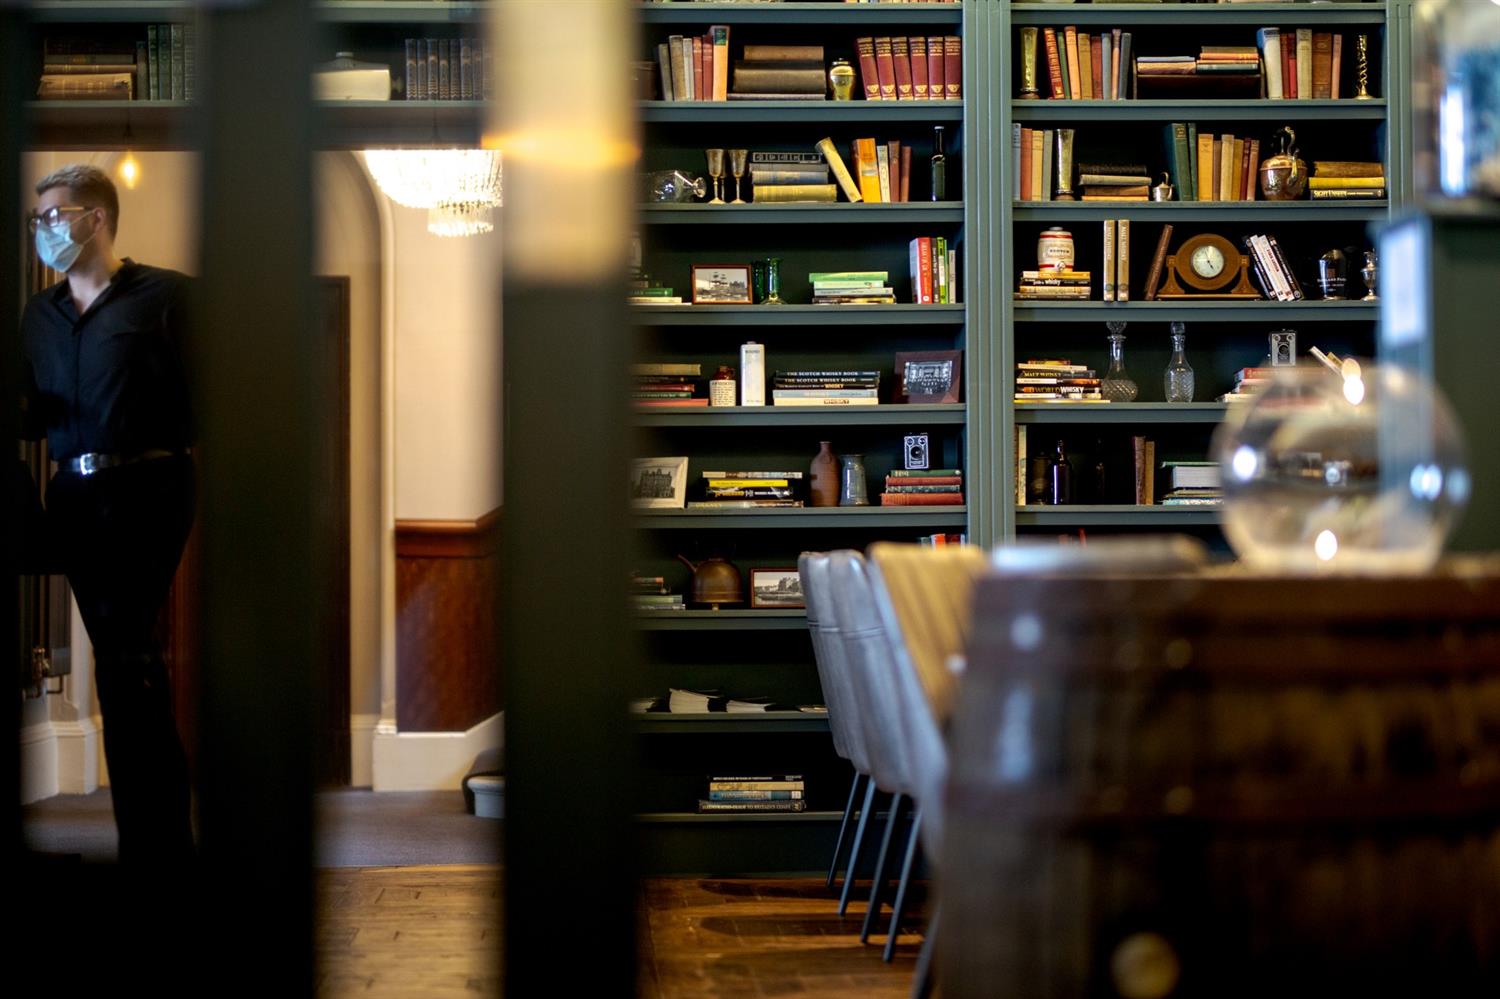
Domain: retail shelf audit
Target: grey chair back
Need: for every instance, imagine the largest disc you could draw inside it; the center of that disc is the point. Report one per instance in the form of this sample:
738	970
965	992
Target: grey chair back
830	656
871	670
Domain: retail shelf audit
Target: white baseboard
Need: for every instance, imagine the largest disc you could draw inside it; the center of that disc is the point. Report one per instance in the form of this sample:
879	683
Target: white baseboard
80	754
38	744
430	761
362	749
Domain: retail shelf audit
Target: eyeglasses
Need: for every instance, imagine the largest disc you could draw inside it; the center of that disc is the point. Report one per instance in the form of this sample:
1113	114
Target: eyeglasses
52	216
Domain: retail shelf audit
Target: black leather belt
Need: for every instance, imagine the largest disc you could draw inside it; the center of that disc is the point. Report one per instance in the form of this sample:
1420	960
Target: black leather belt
88	464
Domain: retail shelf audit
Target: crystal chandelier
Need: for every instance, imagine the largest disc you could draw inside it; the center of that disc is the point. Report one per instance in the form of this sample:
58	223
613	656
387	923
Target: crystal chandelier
458	187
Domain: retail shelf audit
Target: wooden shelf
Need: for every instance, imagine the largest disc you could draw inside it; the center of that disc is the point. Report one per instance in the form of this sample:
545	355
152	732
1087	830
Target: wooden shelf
1243	212
1190	110
722	620
1122	412
902	213
1170	14
884	415
776	518
789	112
1207	311
143	125
801	13
797	315
719	722
1080	515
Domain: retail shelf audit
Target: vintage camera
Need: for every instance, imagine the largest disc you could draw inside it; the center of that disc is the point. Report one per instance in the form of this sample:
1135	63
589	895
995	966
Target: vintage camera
1283	348
916	452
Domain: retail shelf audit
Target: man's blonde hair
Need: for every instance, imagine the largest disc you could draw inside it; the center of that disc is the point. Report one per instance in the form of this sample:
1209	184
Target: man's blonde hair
89	186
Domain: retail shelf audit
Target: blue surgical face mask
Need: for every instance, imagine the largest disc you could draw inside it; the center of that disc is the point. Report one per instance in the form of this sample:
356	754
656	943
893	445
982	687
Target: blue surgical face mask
56	246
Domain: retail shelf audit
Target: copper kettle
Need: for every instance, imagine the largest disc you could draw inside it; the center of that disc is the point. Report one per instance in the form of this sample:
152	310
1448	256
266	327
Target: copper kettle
1283	177
715	581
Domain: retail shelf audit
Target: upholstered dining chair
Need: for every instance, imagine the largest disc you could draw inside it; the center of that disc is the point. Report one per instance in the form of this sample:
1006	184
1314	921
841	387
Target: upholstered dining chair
843	722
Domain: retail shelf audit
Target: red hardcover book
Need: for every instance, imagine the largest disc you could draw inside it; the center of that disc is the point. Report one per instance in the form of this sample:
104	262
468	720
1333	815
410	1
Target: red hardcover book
921	499
1252	175
1242	189
1338	69
918	47
894	147
906	173
953	67
1289	65
1025	164
865	47
935	83
1054	65
1096	53
901	58
923	480
885	69
708	67
924	270
698	69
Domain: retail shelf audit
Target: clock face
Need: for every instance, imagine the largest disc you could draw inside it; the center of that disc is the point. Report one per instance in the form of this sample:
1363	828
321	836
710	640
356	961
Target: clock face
1208	261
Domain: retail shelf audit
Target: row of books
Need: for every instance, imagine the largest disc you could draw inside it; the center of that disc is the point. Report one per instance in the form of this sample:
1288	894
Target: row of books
755	794
1071	285
1056	380
917	68
933	263
852	288
825	388
1301	64
923	487
696	68
162	66
749	489
1086	67
1271	269
449	69
943	540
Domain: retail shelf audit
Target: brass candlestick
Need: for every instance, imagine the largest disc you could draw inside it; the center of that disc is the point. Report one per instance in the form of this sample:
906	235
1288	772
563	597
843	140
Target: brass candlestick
1362	68
1029	89
1062	158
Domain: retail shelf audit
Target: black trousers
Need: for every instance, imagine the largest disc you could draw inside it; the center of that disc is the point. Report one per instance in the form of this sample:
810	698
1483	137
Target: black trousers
121	533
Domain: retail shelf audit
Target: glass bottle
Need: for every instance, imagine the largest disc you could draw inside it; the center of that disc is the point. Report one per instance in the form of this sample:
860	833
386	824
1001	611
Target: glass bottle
854	491
773	282
1117	385
1061	481
939	166
1179	374
823	477
721	387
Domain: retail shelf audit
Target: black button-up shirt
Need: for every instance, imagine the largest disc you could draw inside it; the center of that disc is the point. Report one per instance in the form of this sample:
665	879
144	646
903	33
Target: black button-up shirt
113	379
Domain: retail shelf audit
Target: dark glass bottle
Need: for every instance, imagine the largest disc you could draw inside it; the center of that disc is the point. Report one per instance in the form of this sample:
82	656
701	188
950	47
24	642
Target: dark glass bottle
1062	477
1101	482
939	166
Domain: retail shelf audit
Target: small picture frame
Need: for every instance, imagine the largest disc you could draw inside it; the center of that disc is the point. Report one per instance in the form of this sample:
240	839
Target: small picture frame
659	483
929	376
776	589
721	284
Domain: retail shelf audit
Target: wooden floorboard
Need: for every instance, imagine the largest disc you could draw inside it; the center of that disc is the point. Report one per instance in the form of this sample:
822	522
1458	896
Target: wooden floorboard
402	932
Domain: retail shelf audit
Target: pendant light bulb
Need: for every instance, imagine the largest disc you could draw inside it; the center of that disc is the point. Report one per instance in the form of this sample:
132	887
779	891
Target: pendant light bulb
129	171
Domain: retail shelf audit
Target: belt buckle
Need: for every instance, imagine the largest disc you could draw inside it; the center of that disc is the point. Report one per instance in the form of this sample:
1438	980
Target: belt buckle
88	464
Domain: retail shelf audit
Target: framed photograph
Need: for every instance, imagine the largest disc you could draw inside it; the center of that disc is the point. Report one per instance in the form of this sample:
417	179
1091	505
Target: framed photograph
658	483
721	284
778	589
929	376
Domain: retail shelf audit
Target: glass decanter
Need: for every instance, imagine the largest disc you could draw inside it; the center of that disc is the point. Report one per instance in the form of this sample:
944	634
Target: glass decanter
1179	374
773	282
1117	386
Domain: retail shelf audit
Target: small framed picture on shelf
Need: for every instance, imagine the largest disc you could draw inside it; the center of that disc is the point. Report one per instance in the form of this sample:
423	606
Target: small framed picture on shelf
776	589
929	376
658	483
721	284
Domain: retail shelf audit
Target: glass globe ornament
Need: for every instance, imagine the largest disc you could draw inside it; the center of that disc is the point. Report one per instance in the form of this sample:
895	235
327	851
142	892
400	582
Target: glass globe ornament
1359	471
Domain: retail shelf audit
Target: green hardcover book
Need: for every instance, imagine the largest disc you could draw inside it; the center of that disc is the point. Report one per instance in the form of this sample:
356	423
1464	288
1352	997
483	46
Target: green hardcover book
179	79
153	64
940	270
924	489
1062	61
818	276
1192	147
1182	180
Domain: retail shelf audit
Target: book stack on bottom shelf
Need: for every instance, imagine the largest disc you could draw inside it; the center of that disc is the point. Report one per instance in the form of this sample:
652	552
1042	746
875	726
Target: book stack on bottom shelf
754	794
1192	483
924	487
748	490
1056	284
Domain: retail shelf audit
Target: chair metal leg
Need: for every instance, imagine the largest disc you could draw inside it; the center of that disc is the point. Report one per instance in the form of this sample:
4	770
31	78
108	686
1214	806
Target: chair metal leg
922	979
851	871
898	908
877	886
844	830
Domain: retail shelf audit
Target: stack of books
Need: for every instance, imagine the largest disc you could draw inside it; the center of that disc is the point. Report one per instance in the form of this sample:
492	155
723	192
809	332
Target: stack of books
748	490
1344	179
697	702
1056	380
670	385
924	487
852	288
160	67
1104	182
1072	285
449	69
1192	483
1248	381
650	593
883	170
790	177
695	68
1231	59
654	295
1272	271
941	540
1302	64
926	68
755	794
825	388
1087	67
933	263
779	73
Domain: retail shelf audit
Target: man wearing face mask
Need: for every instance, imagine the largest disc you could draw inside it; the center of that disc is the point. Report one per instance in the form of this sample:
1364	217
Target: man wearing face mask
106	383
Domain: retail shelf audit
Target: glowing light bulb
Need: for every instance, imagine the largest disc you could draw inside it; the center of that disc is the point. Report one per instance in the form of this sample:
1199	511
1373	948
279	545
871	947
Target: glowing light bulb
129	171
1326	546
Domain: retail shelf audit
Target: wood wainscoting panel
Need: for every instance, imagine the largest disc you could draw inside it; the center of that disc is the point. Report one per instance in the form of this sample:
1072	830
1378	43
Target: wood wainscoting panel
447	574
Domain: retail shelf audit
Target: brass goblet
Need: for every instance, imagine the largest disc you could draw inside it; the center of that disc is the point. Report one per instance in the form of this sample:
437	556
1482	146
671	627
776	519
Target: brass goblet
737	158
716	171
